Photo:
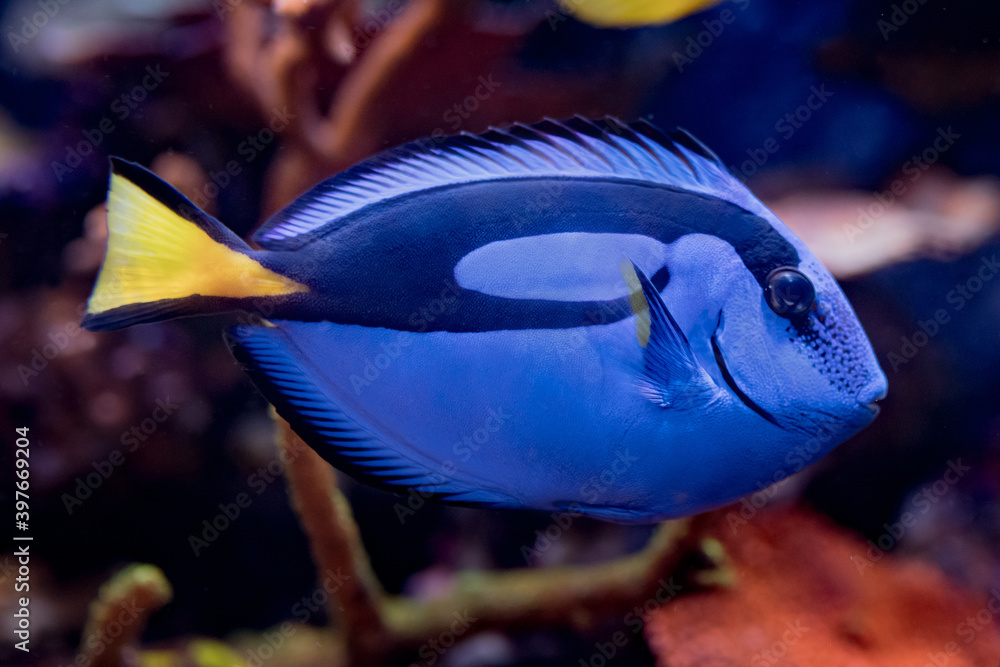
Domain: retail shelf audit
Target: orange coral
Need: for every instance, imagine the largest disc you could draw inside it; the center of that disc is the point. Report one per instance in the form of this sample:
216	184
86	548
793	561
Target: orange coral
809	593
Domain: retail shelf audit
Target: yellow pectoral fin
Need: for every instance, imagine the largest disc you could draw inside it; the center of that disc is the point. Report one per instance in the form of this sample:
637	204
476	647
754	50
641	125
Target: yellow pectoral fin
637	300
156	254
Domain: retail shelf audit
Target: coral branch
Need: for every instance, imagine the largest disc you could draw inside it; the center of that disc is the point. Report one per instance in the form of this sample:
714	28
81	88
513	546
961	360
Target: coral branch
340	136
565	596
281	66
375	625
336	544
119	614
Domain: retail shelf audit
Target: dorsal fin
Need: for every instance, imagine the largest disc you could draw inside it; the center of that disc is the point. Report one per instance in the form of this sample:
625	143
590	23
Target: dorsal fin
581	148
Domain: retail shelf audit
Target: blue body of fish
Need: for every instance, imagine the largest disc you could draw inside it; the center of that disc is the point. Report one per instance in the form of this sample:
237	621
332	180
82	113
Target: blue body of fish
585	314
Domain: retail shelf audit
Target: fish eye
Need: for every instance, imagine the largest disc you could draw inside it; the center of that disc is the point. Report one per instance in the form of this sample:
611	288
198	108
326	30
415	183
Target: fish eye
789	293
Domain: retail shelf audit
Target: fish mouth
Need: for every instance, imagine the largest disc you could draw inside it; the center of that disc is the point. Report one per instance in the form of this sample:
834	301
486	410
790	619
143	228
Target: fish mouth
876	391
728	377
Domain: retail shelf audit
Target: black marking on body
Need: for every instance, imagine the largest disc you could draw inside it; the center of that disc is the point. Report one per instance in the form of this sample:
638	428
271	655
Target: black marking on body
387	265
728	377
170	197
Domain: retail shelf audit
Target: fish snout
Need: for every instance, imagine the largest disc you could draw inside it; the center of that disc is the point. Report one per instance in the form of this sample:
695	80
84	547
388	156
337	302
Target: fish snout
874	391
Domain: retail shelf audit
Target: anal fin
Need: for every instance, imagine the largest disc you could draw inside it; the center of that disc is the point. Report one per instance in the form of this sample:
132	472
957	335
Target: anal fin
288	383
623	515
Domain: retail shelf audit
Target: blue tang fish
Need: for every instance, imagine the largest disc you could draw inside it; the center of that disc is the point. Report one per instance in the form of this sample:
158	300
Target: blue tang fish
582	314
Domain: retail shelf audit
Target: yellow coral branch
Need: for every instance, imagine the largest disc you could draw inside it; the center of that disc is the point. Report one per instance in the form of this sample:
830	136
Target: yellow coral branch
120	612
574	597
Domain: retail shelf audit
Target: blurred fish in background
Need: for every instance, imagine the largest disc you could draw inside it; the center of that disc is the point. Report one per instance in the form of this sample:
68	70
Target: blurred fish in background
868	127
632	13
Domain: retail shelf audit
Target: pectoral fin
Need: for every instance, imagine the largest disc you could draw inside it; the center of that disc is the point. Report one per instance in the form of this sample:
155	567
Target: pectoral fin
672	376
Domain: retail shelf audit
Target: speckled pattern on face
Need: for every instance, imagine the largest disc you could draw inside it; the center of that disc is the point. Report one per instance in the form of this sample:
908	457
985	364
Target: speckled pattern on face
825	336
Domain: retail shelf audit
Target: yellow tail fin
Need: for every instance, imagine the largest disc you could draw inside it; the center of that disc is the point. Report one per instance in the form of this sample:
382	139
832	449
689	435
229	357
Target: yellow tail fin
164	253
632	13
